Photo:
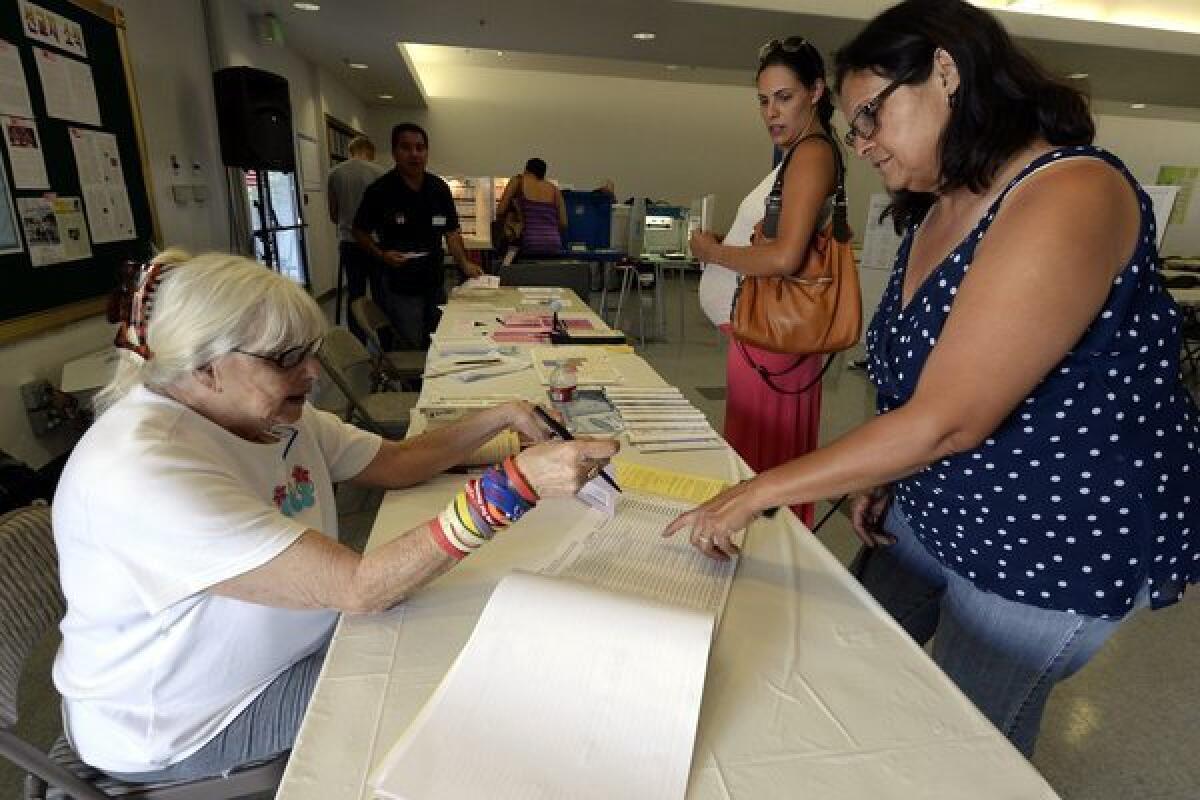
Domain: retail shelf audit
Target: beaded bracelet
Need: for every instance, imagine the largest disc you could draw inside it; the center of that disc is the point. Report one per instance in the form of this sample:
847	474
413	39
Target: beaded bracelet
483	507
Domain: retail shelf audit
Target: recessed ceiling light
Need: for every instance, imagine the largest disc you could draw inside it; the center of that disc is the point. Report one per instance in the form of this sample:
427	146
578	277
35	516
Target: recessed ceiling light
1137	105
307	6
500	52
672	67
355	65
386	96
644	36
1077	76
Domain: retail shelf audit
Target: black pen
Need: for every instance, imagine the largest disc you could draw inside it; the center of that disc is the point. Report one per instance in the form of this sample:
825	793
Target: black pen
566	436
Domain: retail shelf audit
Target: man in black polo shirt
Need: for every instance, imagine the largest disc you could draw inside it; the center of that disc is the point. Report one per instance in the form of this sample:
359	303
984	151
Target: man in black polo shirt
401	222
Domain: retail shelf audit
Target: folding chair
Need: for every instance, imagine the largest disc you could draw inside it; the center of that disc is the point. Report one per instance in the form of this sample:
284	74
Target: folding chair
31	603
403	365
352	369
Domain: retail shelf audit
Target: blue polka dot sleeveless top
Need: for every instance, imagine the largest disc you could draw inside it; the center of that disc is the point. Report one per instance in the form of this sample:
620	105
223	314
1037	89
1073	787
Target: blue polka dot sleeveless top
1087	492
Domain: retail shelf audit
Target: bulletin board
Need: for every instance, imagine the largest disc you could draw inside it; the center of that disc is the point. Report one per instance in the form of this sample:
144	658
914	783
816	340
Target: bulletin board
74	193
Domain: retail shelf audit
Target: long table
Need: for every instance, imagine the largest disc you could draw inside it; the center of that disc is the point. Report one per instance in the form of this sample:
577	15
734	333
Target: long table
812	689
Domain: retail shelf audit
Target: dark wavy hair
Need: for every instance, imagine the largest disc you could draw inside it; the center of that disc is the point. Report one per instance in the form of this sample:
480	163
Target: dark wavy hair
1004	100
537	168
804	60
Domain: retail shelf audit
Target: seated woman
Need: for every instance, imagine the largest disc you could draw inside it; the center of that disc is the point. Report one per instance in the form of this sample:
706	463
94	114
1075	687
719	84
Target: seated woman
542	207
197	530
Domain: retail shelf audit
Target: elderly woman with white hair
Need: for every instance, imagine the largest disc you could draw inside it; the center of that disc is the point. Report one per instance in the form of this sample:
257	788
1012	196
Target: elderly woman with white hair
197	530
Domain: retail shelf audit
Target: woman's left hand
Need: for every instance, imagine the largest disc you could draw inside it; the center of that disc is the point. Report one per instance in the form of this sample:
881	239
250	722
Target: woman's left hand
713	524
520	417
703	244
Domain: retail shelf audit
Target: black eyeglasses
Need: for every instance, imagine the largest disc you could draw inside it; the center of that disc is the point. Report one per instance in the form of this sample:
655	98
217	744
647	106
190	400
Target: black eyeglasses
866	121
792	44
290	358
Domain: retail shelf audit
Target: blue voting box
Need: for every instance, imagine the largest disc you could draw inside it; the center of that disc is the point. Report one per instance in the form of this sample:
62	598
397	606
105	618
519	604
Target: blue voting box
589	218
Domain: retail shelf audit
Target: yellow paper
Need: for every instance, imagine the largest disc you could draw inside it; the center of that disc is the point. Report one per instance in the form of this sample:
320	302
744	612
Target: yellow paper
494	450
668	483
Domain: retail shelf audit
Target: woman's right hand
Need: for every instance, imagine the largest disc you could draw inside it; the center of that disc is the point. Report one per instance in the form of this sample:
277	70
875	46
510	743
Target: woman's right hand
560	469
867	511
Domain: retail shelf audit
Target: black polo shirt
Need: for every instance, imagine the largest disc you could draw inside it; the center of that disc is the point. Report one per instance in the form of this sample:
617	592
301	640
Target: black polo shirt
409	221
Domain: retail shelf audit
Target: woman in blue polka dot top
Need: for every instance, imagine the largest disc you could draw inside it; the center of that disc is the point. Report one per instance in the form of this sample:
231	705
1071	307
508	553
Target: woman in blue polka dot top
1030	477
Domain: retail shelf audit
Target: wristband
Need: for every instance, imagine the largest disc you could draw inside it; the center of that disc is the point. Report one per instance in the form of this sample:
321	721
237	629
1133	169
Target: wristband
491	516
498	493
518	481
439	536
457	533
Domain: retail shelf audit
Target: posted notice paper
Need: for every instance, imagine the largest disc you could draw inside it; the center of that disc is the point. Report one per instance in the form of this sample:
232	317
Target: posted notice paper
105	195
25	152
54	229
14	92
68	87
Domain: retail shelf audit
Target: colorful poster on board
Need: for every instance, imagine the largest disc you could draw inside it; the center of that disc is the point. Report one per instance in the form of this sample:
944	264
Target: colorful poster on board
24	152
52	29
54	229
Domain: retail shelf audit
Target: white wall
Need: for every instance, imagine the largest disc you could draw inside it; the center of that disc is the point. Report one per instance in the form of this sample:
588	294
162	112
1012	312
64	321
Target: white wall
1147	144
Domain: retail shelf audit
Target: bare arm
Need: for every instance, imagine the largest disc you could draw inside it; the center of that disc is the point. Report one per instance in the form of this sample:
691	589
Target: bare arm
510	189
810	178
409	462
1049	258
454	241
562	209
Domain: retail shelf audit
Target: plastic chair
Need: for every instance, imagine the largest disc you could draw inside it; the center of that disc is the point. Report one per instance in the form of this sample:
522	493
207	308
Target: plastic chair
402	365
31	603
351	368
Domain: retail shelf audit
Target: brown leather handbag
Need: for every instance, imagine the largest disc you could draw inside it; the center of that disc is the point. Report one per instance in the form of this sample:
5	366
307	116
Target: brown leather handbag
816	309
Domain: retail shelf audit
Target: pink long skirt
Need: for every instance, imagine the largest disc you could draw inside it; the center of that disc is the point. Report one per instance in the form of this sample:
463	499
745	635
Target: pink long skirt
768	428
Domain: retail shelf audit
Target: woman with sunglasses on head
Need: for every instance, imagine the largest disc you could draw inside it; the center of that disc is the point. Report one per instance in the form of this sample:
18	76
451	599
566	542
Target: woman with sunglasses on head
197	531
771	420
1030	479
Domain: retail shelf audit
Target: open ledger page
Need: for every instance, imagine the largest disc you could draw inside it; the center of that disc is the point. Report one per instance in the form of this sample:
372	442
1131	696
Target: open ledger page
563	690
628	554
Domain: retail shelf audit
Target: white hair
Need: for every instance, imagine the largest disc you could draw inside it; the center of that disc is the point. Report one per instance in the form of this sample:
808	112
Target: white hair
205	307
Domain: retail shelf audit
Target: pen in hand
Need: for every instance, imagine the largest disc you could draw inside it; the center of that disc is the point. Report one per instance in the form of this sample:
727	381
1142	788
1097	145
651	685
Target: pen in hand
566	436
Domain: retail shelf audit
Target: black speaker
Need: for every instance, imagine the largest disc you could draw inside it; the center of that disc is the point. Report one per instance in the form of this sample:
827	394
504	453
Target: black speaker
254	118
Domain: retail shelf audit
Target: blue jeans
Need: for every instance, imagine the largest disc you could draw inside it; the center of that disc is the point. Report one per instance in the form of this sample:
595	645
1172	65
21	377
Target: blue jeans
1005	656
264	729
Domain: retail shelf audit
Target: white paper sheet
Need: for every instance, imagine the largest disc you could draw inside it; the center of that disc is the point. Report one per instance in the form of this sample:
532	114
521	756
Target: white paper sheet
14	91
68	87
25	152
563	690
10	239
54	229
628	554
105	195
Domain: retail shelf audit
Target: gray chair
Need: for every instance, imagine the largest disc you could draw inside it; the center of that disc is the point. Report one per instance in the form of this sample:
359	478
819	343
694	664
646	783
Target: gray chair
348	364
569	274
31	603
390	365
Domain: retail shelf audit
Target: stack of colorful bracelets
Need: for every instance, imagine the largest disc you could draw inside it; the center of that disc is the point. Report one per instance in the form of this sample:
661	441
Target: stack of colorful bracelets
485	505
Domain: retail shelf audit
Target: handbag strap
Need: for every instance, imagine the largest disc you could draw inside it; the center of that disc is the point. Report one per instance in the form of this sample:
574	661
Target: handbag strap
841	228
767	375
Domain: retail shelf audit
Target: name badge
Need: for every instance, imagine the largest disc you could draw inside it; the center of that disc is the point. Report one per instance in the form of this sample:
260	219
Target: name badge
399	218
439	222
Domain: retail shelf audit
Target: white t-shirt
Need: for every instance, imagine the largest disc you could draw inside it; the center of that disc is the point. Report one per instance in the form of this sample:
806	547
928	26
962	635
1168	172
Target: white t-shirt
717	284
157	504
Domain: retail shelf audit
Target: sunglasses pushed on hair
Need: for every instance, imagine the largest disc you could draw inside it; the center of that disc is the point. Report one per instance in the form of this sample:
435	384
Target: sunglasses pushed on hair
792	44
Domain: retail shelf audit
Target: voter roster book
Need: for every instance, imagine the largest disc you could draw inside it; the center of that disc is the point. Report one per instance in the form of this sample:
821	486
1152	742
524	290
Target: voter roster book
583	681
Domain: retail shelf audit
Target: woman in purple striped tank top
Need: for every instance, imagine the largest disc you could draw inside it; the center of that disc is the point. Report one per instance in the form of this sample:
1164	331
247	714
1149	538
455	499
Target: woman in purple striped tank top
542	208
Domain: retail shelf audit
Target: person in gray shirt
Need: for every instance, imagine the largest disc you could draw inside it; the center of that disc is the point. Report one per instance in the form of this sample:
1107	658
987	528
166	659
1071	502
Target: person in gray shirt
347	182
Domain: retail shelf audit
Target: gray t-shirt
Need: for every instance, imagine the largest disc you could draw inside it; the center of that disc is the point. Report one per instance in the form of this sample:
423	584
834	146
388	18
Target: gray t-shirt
347	182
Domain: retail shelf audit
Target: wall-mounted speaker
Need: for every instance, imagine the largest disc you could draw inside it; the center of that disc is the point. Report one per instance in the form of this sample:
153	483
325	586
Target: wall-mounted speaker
254	119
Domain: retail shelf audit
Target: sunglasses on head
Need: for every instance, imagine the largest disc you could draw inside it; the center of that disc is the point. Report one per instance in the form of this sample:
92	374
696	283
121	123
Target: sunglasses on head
792	44
287	359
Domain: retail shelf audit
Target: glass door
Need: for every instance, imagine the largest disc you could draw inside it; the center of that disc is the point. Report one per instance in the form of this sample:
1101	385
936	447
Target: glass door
277	222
